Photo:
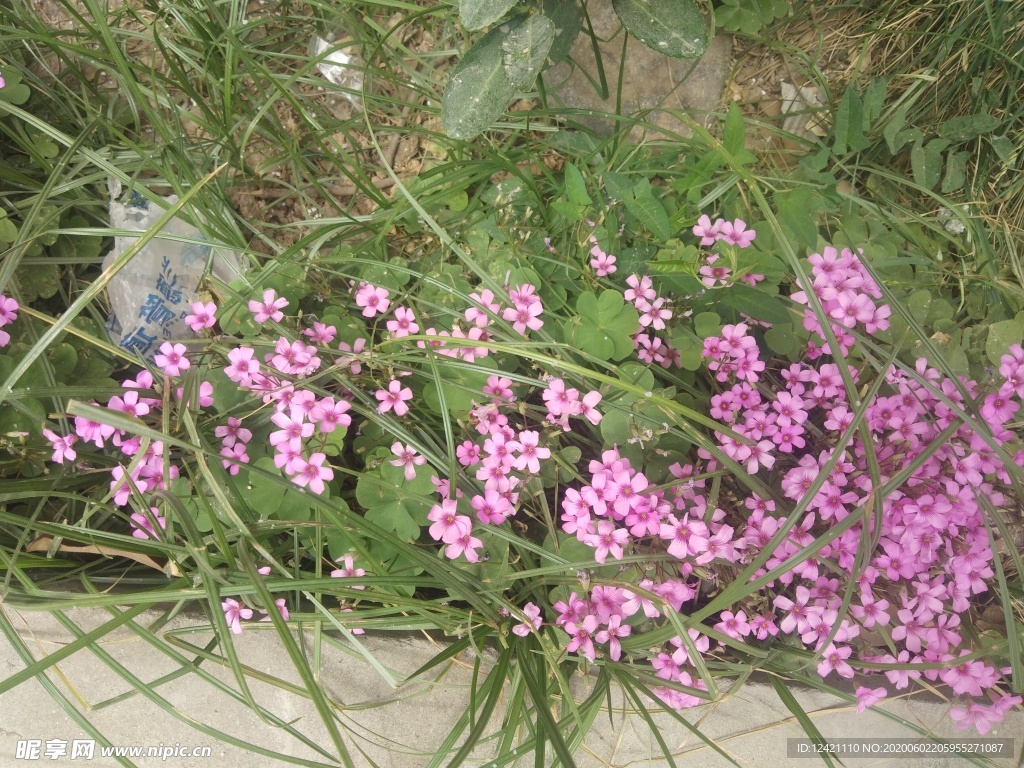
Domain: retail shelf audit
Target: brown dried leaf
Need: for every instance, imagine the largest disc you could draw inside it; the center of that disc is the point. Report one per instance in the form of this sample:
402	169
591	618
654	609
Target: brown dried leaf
43	544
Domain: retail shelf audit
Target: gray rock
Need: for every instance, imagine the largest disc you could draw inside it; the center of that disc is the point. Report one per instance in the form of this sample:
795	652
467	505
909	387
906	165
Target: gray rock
653	85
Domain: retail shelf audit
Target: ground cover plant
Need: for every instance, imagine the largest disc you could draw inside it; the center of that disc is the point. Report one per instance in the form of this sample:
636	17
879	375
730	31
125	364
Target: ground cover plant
666	413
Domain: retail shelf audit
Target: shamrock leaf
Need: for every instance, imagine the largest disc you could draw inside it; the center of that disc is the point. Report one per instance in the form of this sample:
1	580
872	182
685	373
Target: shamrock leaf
604	327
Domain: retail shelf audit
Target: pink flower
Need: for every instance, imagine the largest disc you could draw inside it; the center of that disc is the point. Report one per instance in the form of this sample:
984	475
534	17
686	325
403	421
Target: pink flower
464	545
608	540
602	263
532	623
706	231
736	233
352	360
282	608
408	458
8	310
313	473
270	309
639	288
394	397
321	333
8	314
330	415
530	453
868	697
492	508
524	316
202	316
404	323
205	393
61	446
293	428
733	625
144	525
242	367
349	571
588	409
583	637
447	524
835	659
233	454
611	635
373	300
172	359
233	613
233	432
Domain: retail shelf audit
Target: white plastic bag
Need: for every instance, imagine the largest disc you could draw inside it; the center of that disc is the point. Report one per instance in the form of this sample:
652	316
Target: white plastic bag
341	66
151	295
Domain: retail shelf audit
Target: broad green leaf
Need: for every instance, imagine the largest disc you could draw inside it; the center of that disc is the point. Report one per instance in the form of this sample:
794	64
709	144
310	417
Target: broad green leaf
393	516
8	229
849	124
918	305
707	324
956	172
476	14
575	186
892	130
618	185
675	28
1003	147
605	325
14	92
756	304
794	211
64	359
568	20
780	339
926	162
874	98
968	127
649	210
525	48
263	494
733	137
478	90
1001	336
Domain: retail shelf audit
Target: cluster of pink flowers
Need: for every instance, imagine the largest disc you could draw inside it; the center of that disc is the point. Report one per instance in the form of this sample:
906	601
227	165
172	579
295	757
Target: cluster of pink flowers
233	437
734	353
654	313
562	403
847	294
8	314
733	232
933	553
504	460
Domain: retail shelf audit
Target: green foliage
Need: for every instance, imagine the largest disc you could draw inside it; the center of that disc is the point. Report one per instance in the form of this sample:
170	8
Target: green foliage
749	17
604	325
675	28
476	14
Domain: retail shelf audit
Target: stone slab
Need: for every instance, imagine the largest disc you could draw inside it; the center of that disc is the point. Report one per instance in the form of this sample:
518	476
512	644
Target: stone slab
652	83
393	727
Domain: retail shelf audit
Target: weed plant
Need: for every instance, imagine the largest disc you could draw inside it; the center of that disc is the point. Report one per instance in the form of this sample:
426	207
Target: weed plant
661	413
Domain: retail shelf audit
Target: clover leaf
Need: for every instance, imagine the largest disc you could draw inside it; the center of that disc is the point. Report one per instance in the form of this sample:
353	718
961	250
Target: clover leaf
604	327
